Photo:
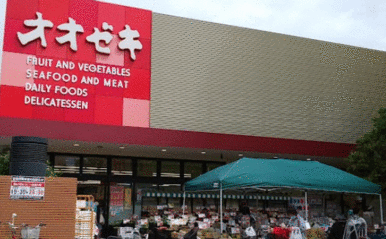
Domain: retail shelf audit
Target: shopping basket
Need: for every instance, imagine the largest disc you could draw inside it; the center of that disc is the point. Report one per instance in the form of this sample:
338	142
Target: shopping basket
30	233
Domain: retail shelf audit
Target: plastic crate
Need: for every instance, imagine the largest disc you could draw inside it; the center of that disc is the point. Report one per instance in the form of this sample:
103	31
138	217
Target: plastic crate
30	233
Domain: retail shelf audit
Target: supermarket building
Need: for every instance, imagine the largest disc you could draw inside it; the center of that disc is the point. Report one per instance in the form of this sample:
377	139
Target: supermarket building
141	100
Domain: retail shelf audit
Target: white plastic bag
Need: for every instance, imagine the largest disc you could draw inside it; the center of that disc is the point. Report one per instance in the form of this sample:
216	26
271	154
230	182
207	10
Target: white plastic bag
308	226
295	233
250	232
102	219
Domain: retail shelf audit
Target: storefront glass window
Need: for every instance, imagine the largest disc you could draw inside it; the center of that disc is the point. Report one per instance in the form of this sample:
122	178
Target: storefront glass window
147	168
120	202
170	169
122	167
211	166
92	187
170	188
149	203
192	170
67	164
94	165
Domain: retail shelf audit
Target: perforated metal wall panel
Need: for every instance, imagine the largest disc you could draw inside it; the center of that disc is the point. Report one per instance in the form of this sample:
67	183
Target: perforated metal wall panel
216	78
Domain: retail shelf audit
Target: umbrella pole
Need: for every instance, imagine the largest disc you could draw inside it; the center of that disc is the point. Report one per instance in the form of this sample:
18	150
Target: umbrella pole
381	208
183	204
306	206
221	208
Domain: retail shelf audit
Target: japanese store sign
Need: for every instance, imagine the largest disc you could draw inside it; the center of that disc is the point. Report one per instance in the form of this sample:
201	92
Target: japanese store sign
73	28
23	187
77	61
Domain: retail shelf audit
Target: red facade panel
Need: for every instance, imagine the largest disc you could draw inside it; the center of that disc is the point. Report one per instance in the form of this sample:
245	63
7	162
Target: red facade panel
69	46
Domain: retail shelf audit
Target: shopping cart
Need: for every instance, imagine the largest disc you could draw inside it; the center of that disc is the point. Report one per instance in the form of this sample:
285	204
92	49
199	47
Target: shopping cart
31	232
129	233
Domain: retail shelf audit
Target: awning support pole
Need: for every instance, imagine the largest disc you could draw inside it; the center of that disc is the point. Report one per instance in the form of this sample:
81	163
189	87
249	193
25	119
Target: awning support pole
221	208
381	208
306	206
183	204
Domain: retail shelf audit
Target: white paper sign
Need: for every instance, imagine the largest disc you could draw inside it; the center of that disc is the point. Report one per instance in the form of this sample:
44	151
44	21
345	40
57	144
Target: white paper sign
23	187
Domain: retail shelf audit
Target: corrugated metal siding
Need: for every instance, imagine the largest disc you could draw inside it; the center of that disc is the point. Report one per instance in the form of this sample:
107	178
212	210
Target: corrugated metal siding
57	210
216	78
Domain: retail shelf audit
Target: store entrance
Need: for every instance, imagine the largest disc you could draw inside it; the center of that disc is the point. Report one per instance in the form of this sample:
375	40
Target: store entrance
98	189
112	202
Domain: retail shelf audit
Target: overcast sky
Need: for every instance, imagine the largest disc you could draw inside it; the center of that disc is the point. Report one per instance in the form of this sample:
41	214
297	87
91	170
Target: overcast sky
353	22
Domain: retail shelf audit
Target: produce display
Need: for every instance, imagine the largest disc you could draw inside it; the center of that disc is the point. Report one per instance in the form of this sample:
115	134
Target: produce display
171	223
273	222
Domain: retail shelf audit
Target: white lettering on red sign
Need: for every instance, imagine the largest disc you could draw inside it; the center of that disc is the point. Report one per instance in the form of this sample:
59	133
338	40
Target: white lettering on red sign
129	37
129	43
72	29
40	24
98	36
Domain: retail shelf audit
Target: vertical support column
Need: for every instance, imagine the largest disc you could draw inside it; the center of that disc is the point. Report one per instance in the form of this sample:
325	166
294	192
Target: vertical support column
221	229
183	204
109	170
158	170
306	202
134	185
52	160
81	164
107	206
380	207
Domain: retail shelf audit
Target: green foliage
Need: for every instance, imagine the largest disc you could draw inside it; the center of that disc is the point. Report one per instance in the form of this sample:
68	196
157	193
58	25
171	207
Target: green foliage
50	172
4	162
369	159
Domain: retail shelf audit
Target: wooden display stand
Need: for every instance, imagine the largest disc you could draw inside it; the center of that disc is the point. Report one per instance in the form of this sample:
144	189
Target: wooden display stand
85	217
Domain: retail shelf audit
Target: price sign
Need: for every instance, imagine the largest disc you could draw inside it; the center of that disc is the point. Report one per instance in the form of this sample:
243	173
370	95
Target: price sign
23	187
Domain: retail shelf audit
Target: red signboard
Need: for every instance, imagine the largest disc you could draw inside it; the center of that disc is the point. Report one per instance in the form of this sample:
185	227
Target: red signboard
76	61
117	195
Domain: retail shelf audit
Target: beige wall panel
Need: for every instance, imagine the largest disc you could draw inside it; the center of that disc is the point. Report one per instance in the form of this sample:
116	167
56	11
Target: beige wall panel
216	78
